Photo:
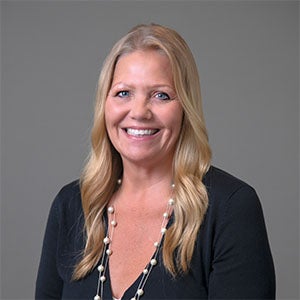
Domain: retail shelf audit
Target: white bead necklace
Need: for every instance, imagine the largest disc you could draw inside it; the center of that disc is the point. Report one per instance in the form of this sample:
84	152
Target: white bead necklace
107	252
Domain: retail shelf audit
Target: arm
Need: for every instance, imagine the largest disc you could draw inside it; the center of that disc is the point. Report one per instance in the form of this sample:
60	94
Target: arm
242	266
49	284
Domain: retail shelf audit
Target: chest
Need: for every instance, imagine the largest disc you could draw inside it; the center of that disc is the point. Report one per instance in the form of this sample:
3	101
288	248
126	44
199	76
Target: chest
134	242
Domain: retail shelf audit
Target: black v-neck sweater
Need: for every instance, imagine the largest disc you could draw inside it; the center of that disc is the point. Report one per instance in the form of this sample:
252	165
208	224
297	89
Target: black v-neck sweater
232	258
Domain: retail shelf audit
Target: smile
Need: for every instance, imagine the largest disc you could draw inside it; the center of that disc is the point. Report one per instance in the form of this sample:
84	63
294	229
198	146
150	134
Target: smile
140	132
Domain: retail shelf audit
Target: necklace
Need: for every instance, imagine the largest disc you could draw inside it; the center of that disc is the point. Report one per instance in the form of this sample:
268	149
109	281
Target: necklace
107	252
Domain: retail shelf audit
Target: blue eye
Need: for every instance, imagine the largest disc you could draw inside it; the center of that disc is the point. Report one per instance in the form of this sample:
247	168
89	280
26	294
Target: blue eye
122	94
162	96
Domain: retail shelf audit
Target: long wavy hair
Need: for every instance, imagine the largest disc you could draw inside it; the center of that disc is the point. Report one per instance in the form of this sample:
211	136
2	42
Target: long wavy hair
190	163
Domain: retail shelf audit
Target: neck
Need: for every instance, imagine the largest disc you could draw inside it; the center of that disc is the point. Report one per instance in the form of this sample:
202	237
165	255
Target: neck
141	178
143	191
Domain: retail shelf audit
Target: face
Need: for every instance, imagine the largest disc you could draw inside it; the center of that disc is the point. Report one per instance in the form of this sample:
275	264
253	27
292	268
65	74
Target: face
142	112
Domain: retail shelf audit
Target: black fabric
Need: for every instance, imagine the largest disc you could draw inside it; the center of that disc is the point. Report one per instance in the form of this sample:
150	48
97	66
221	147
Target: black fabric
232	258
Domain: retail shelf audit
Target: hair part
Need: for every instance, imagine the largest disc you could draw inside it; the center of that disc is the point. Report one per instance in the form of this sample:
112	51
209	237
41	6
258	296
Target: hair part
191	160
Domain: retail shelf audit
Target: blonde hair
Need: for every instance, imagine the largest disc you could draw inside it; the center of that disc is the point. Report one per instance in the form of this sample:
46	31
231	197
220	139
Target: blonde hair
191	160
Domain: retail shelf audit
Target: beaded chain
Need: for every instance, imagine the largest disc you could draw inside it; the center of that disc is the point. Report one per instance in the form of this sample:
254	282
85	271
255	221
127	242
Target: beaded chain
107	252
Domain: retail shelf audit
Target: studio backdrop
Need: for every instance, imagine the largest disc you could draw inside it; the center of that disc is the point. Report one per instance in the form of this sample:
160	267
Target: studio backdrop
51	53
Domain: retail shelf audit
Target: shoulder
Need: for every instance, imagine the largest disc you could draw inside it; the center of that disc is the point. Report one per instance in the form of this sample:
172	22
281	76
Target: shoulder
220	182
64	236
227	192
222	185
68	194
236	240
234	210
67	203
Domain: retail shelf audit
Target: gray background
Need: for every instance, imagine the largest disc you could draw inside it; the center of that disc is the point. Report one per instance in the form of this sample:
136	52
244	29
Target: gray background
51	52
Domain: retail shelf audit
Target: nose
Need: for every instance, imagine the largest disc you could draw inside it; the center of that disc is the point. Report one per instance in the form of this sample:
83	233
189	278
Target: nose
140	108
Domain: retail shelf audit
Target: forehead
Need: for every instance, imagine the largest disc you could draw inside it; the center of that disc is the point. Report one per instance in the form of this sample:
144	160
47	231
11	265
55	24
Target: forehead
153	54
143	63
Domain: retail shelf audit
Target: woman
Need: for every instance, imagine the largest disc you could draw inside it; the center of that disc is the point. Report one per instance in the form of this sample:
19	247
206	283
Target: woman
150	218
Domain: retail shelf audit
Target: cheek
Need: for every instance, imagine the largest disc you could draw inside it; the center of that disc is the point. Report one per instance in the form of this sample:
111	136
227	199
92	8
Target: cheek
107	115
176	117
110	119
114	111
111	113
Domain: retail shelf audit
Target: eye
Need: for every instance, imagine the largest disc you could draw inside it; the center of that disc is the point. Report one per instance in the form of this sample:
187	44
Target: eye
123	94
162	96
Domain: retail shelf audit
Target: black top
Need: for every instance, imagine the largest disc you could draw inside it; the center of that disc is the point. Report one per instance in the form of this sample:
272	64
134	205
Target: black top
232	258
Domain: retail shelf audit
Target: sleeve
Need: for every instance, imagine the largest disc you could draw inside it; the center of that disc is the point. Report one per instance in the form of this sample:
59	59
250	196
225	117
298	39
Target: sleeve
242	266
49	284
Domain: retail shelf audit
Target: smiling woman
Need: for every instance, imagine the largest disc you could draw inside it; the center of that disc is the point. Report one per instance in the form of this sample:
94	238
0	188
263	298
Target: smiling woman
150	217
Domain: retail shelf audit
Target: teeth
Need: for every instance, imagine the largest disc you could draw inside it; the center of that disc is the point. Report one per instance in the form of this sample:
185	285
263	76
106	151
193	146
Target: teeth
140	132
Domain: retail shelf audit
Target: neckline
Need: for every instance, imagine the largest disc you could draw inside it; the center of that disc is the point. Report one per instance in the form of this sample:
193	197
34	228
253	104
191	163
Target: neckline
133	287
130	290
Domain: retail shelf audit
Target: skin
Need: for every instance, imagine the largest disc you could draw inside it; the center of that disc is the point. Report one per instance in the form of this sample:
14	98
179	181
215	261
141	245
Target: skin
143	119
